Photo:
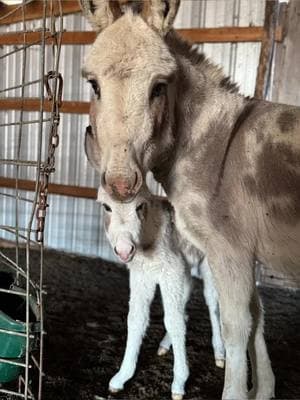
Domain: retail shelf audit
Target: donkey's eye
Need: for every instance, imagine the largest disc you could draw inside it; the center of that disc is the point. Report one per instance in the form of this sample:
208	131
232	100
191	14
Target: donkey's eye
95	87
106	207
158	90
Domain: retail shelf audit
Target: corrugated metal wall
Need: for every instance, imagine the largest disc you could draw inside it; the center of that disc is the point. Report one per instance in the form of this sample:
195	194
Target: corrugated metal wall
75	224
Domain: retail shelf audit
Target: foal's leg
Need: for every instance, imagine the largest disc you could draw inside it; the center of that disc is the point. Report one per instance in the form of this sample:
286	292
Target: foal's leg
212	301
262	378
174	299
234	278
142	290
166	343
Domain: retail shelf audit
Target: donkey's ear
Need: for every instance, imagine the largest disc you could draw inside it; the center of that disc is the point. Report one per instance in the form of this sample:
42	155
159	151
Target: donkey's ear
160	14
91	148
101	13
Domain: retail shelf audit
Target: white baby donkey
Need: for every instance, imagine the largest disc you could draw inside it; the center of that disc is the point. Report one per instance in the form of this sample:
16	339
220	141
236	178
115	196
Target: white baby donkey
143	235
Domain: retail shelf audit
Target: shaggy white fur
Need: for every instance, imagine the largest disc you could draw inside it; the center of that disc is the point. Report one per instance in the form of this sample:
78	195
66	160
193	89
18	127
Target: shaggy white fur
143	235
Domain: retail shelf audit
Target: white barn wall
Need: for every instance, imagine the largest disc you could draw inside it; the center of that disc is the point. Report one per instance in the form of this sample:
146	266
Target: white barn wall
75	225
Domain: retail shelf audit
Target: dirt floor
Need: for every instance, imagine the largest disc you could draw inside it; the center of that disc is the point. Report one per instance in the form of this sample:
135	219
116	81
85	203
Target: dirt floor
86	310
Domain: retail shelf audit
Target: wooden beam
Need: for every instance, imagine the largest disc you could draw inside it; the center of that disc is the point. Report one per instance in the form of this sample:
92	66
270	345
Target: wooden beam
33	104
226	34
34	10
54	188
18	38
201	35
264	66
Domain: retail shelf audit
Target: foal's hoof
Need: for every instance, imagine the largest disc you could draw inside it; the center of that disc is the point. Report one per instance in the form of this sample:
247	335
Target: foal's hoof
114	390
220	363
177	396
162	351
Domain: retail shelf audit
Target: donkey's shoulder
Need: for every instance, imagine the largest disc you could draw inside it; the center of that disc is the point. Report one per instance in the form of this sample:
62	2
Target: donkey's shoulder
275	121
272	174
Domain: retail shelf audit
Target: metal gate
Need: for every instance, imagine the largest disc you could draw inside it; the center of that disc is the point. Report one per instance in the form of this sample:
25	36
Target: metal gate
27	146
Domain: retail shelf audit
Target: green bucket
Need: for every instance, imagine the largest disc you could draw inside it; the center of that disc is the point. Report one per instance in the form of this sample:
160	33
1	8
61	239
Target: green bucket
13	320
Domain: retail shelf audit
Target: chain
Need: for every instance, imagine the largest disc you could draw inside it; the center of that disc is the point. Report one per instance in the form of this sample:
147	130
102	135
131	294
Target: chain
48	167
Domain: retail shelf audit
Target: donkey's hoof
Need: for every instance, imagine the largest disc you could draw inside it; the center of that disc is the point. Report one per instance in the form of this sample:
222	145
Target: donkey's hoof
114	390
220	363
162	351
176	396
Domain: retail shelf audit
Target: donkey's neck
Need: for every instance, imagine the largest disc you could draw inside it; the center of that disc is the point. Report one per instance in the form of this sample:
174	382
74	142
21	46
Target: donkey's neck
207	105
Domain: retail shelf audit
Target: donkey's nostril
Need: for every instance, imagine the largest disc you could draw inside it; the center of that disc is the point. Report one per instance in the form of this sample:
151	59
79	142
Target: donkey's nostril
89	130
103	180
137	182
132	250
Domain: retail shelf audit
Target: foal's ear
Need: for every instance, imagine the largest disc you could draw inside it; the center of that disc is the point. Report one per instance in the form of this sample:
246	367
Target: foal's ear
101	13
160	14
91	147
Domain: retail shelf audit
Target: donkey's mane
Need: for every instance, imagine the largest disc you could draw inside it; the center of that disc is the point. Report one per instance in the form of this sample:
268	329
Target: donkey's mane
190	51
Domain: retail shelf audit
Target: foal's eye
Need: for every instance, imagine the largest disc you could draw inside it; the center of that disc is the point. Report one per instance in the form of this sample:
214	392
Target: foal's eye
106	207
95	87
141	208
158	90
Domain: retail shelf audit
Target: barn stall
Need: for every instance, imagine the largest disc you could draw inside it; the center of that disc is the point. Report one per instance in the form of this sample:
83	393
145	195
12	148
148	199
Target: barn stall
85	322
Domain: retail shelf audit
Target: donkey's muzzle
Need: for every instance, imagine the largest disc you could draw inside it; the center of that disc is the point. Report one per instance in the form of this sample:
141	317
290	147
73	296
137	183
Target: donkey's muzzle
122	188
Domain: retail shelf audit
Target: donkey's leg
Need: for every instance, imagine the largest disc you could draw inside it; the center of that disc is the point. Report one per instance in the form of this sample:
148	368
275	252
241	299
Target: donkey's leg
212	301
234	278
262	375
174	299
142	290
166	343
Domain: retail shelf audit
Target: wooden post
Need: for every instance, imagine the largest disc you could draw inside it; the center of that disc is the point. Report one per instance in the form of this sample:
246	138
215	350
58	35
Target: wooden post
266	48
286	78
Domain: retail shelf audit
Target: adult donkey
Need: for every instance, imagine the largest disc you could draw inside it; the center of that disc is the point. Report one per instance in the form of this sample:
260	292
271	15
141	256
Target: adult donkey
230	165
